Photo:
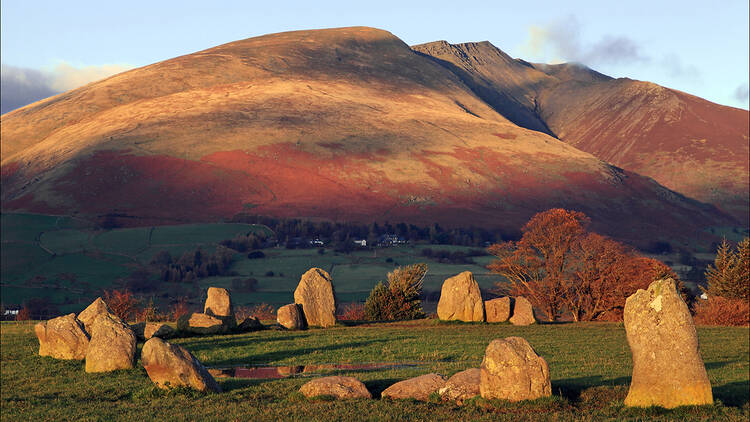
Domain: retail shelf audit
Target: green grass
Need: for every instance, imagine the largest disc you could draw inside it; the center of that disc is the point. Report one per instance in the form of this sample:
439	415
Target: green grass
589	364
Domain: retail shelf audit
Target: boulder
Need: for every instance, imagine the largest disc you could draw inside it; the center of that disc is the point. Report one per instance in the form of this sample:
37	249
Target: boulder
62	338
145	330
219	305
316	296
418	388
668	370
112	345
170	365
460	299
498	310
88	315
339	387
290	317
199	323
462	386
511	370
523	312
250	324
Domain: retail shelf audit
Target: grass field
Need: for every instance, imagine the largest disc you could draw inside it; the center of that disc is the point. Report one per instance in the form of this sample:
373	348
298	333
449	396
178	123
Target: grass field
40	251
590	368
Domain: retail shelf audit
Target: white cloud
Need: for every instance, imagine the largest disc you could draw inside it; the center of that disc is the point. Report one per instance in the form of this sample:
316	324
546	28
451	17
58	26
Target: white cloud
20	86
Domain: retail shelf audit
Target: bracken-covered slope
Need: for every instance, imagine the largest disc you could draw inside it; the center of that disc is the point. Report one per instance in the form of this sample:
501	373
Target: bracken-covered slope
346	124
688	144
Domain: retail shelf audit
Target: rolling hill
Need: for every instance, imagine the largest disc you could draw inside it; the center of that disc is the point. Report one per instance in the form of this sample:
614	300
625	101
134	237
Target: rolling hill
345	124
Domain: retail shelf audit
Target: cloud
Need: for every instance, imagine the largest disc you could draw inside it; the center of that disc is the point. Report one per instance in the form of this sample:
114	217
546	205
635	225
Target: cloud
20	86
561	41
742	93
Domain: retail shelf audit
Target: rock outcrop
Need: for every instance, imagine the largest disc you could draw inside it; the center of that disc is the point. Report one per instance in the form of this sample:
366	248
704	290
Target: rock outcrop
62	338
462	386
523	312
316	296
339	387
290	317
170	365
112	345
460	299
668	370
498	310
418	388
511	370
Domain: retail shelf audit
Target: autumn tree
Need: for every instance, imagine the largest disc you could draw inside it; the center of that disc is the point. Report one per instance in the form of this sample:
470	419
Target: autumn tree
538	266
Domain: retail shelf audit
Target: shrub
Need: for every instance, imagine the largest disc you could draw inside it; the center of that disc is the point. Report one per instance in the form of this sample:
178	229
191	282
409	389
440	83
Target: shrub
719	310
353	312
149	313
122	303
24	314
400	297
180	308
263	311
256	255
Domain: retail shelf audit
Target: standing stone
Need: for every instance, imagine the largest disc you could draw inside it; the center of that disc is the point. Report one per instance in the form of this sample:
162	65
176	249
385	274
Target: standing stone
418	388
290	317
668	370
315	294
523	312
250	323
146	330
199	323
511	370
339	387
460	299
62	338
462	386
88	315
498	310
170	365
219	304
112	345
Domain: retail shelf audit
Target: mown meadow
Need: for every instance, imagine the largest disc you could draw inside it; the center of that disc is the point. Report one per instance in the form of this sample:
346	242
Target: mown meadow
590	368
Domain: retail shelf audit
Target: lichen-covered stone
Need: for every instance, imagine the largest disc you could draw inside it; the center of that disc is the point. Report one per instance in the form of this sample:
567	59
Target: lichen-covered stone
511	370
145	330
418	388
96	308
199	323
461	299
112	345
339	387
290	317
62	338
523	312
170	365
498	310
668	370
462	386
316	296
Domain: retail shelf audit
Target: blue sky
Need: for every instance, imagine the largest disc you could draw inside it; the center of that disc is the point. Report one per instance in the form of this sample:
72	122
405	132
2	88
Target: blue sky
693	46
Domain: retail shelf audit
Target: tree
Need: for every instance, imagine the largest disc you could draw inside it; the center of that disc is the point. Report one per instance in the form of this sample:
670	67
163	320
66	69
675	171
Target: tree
399	297
538	265
729	276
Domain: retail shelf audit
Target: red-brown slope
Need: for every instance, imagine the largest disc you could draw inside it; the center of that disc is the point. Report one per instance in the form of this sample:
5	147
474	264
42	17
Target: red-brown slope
688	144
345	124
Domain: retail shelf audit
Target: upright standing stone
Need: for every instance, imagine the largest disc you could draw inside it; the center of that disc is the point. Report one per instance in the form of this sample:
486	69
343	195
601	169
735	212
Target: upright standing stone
88	315
112	345
290	317
511	370
523	312
460	299
315	294
62	338
498	310
170	365
219	305
668	370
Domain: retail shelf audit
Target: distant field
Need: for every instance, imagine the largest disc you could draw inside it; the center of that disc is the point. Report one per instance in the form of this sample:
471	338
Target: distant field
40	252
590	368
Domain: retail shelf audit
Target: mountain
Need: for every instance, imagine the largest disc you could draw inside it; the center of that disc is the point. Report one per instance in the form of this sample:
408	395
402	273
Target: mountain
345	124
688	144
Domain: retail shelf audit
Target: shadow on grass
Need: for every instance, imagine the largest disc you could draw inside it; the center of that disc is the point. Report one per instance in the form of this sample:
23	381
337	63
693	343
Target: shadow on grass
572	388
230	384
734	393
376	387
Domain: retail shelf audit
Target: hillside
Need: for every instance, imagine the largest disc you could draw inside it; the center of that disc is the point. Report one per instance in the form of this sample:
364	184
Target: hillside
345	124
688	144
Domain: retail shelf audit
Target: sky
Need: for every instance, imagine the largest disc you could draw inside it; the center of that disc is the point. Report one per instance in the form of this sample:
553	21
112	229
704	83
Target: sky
47	47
